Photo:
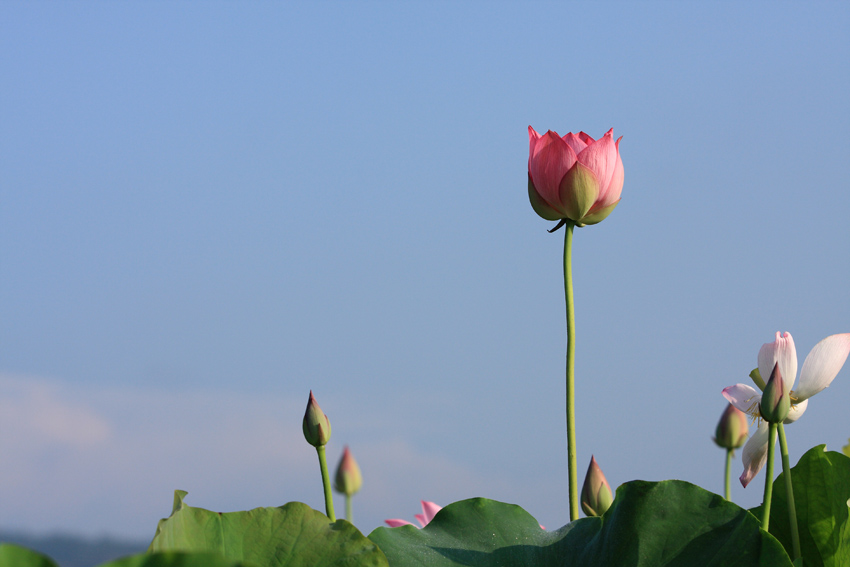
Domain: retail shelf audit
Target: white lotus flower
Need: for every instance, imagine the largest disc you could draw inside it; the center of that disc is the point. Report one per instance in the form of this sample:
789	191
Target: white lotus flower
819	370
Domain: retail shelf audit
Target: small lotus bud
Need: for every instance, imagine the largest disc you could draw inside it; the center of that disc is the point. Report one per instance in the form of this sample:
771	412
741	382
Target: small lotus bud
348	479
731	429
316	426
596	495
775	400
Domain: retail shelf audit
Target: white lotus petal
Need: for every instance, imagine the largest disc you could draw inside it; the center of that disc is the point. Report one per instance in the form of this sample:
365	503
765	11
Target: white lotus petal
796	411
782	352
744	397
822	365
754	455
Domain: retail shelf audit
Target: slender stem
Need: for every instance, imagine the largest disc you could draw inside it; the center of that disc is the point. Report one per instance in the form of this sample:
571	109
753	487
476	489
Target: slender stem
348	508
768	478
728	492
789	491
326	482
572	461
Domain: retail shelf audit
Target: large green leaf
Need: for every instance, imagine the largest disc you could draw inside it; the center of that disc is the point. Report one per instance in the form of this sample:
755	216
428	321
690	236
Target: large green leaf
12	555
651	524
292	535
177	559
821	481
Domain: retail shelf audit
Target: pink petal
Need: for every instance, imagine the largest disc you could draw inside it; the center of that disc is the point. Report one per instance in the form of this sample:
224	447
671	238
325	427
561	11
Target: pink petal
396	523
611	193
822	365
533	136
601	158
585	138
783	352
754	455
744	397
575	142
548	162
429	510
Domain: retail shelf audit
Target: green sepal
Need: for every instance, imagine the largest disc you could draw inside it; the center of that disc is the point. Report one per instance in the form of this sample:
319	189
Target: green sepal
578	191
600	215
756	377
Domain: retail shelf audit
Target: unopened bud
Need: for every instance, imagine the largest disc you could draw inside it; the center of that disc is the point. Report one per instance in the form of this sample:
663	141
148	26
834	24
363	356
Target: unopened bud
596	495
348	479
731	429
775	400
316	426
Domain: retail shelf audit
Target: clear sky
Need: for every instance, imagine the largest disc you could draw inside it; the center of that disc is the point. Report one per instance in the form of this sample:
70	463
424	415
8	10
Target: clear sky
208	209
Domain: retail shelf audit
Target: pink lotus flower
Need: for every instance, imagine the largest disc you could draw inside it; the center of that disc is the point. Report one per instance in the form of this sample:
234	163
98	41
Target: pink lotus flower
429	510
574	177
819	370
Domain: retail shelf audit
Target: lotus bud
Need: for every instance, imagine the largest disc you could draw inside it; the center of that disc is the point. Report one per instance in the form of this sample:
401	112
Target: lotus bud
596	495
348	479
775	401
574	176
731	429
316	426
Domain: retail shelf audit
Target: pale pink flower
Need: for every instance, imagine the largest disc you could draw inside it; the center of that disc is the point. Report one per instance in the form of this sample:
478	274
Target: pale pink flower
429	510
819	370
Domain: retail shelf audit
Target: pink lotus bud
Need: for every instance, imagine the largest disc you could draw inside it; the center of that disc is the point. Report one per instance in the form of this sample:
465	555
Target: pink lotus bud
732	429
348	479
574	177
316	426
775	401
596	495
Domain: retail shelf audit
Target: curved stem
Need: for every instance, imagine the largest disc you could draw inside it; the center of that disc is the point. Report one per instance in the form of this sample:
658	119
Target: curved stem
572	462
728	492
326	482
789	492
768	478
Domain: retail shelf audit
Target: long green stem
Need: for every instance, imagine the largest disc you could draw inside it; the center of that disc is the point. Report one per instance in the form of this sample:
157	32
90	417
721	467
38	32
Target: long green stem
789	492
326	482
348	508
728	492
768	478
571	359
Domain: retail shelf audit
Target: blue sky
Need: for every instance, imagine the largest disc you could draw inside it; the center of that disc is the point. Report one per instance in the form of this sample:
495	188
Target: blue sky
209	209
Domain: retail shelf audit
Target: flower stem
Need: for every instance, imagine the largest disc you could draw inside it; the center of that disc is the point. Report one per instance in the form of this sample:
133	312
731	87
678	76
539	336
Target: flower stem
789	491
728	492
768	478
326	482
348	508
572	461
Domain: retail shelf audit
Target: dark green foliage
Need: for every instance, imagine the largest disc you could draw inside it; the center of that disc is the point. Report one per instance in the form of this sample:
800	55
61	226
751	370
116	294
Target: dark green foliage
650	524
821	481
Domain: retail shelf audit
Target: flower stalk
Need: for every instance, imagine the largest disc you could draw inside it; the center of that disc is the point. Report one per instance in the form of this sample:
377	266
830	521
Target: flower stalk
768	478
789	492
572	461
326	482
727	491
